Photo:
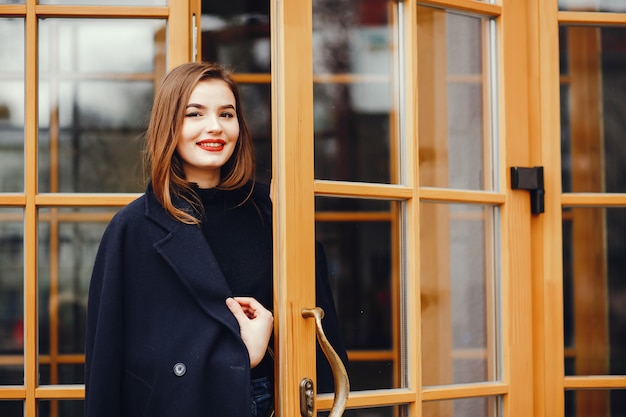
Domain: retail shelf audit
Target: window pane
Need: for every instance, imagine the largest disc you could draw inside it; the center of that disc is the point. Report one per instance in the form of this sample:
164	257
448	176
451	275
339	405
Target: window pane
595	291
590	403
12	106
454	100
616	6
355	135
106	2
361	277
593	97
459	293
95	102
11	298
256	104
64	408
390	411
237	34
11	408
68	242
466	407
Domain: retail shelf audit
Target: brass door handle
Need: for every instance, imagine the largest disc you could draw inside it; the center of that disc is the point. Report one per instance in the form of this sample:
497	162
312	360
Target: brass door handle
340	375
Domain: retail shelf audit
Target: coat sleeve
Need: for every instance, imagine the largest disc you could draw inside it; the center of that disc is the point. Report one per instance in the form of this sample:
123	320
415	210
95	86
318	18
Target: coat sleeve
104	333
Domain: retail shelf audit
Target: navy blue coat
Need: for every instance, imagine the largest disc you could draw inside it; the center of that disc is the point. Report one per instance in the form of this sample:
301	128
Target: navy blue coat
160	339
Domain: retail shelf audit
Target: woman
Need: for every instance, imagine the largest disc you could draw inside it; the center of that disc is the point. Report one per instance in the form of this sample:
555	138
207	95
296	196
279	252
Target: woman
178	318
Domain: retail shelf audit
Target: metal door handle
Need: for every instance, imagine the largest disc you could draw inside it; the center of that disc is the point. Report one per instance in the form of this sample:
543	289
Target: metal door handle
340	376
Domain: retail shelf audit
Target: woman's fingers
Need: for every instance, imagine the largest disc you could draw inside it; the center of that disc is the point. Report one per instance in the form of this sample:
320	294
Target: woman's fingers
255	324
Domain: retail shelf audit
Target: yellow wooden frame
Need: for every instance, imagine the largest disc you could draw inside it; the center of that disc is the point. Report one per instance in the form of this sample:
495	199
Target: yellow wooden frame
533	381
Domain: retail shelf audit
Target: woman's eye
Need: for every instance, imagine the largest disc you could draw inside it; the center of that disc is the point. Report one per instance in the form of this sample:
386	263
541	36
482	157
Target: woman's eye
227	115
192	114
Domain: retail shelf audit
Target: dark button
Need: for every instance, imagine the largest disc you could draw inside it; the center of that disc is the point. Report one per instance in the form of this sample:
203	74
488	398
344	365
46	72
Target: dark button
180	369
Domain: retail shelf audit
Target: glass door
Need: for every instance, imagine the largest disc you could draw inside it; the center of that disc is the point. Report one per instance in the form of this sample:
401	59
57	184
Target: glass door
394	128
592	80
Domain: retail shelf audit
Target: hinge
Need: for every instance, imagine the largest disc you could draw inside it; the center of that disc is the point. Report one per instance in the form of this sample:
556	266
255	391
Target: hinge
530	179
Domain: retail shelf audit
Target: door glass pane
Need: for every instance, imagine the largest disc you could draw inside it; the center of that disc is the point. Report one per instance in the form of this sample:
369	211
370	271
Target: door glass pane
466	407
95	99
12	106
584	403
365	289
237	34
593	104
11	298
11	408
391	411
106	2
355	133
595	291
617	6
68	242
65	408
454	100
459	293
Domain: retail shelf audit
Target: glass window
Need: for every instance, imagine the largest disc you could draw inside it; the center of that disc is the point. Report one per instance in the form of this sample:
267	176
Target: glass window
589	402
68	242
465	407
11	297
454	100
459	293
95	100
593	103
12	106
614	6
358	249
106	2
355	133
595	291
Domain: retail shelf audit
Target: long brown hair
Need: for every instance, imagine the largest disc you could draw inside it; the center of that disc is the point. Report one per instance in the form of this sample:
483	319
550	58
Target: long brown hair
166	120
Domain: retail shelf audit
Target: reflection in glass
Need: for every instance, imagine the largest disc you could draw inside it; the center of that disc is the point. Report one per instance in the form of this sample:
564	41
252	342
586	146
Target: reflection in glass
65	408
12	106
237	34
106	2
11	297
459	293
256	104
359	254
614	6
391	411
465	407
95	101
11	408
595	291
355	136
454	105
68	242
592	110
584	403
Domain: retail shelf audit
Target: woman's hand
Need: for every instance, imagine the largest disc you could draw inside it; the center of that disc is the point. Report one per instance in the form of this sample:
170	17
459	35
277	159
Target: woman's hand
256	324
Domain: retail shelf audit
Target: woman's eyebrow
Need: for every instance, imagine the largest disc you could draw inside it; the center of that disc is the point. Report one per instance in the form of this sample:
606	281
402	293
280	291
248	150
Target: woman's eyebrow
200	106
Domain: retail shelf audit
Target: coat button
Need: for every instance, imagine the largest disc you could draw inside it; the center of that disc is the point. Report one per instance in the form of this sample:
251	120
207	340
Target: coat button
180	369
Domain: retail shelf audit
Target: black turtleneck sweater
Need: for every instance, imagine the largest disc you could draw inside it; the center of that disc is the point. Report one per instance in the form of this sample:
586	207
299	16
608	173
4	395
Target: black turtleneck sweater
241	240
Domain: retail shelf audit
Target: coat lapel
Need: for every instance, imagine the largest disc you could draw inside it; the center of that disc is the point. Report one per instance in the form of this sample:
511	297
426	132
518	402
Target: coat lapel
186	250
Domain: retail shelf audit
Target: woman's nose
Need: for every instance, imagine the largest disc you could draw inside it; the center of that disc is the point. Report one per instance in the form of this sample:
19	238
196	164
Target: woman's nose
213	124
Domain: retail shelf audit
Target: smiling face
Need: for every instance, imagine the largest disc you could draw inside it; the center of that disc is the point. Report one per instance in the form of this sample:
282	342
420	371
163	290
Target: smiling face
209	133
